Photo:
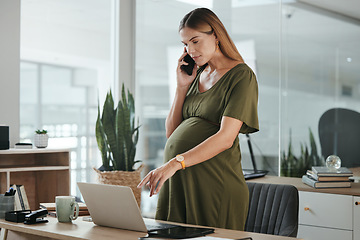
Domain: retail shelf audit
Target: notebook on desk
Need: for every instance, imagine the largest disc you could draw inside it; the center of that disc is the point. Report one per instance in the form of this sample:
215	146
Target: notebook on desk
116	206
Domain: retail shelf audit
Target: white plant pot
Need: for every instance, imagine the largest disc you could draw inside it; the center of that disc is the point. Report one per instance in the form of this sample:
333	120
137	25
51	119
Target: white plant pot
41	140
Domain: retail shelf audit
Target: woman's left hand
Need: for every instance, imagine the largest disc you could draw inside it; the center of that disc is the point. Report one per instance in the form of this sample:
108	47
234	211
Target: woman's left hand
155	179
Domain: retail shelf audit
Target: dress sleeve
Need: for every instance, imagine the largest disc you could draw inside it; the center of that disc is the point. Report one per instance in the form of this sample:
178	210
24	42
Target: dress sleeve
243	101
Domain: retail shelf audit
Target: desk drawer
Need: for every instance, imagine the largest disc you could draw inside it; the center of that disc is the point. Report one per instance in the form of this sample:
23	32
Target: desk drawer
319	233
356	219
325	210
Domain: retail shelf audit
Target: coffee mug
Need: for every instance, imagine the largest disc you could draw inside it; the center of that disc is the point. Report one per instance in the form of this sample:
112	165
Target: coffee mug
65	207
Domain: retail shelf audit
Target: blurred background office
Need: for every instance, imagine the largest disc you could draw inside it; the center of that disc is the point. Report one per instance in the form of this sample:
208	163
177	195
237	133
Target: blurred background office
306	55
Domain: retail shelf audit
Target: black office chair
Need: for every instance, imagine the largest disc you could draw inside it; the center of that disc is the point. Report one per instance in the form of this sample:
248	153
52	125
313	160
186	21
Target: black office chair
339	133
273	209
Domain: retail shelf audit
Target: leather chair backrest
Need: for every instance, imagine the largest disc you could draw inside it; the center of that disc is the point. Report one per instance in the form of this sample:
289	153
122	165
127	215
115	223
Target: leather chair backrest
339	133
273	209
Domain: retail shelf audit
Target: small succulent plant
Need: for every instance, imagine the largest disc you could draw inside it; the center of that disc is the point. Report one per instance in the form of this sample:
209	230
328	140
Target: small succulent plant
43	131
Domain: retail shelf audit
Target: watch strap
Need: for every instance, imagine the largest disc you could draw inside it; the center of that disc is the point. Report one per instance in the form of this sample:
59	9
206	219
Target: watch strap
181	160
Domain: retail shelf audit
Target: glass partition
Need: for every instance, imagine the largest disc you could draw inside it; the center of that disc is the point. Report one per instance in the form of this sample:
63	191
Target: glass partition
320	60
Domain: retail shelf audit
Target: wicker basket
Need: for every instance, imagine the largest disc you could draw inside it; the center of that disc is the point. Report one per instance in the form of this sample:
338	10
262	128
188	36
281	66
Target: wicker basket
123	178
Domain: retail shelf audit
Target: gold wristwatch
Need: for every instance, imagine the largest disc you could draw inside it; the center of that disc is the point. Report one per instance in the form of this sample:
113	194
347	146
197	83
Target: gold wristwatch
181	160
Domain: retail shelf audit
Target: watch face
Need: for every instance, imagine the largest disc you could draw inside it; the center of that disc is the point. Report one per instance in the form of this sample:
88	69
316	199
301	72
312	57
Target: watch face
180	158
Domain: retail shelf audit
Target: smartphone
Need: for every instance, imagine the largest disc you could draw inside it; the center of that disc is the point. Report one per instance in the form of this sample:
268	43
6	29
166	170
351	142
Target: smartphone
188	68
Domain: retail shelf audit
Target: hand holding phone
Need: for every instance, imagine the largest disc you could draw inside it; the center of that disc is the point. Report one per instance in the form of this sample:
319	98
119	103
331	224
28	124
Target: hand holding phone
190	67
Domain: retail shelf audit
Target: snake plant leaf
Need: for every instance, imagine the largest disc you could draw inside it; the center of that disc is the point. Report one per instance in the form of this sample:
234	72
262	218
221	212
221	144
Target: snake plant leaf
123	97
136	135
101	141
315	159
127	136
131	106
132	151
130	146
134	130
312	143
120	126
108	119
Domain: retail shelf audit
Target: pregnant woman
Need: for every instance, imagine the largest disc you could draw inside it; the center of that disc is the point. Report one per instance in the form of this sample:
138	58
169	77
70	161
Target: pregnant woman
201	181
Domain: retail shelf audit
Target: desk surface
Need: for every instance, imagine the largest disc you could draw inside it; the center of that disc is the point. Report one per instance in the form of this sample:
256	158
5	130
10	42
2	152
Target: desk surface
80	229
354	190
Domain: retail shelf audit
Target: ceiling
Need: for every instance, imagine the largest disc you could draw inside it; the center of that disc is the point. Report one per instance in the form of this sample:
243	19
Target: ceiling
349	8
95	14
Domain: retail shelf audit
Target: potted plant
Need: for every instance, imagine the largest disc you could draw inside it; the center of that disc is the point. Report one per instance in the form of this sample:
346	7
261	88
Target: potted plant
292	166
41	138
117	137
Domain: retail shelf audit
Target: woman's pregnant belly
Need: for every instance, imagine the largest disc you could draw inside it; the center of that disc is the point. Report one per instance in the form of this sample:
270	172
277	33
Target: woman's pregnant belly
190	133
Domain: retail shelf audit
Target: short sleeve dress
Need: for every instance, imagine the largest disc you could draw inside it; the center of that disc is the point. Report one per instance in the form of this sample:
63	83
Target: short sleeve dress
212	193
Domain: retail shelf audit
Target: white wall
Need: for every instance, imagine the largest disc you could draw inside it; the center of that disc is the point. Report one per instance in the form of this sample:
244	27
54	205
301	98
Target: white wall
10	66
124	44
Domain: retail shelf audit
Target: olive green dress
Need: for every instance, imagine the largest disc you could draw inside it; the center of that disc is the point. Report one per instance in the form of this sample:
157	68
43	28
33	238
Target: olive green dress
212	193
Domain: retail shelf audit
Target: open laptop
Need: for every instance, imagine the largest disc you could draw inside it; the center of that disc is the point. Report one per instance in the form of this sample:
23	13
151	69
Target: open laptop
116	206
253	173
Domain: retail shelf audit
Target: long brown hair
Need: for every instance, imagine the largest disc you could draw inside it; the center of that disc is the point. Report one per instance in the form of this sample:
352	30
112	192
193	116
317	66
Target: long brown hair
204	20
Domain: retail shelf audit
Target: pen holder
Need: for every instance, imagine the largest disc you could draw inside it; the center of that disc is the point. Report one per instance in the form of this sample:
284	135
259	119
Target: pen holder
6	204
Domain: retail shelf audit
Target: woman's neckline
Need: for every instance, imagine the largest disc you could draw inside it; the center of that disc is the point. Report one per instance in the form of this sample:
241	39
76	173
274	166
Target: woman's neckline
213	86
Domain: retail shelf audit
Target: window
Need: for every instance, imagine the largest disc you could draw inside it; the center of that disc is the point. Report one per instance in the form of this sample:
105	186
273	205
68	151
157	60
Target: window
65	68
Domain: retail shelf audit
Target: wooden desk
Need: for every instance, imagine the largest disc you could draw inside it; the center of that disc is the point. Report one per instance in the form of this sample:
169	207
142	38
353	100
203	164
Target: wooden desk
45	173
80	229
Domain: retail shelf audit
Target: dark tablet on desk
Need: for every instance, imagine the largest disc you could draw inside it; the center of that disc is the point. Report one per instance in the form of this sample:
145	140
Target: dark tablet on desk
180	232
250	174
